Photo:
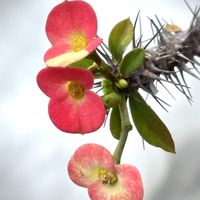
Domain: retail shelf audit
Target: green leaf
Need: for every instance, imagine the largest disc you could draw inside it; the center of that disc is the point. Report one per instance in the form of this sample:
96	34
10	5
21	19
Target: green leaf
115	123
149	125
120	37
132	61
84	63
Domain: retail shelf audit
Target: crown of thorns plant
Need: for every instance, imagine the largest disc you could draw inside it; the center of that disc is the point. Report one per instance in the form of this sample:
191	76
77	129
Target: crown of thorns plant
79	60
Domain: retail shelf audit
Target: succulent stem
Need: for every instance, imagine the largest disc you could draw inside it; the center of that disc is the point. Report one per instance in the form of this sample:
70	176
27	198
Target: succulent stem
125	128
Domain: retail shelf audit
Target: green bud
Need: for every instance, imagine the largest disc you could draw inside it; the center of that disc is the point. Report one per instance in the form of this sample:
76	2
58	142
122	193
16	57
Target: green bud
107	91
118	85
123	83
112	100
106	84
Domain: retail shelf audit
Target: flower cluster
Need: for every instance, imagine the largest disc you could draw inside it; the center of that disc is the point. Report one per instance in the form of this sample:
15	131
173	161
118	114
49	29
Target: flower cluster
71	28
71	64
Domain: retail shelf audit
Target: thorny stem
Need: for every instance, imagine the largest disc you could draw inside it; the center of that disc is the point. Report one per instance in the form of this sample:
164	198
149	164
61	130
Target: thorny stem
125	128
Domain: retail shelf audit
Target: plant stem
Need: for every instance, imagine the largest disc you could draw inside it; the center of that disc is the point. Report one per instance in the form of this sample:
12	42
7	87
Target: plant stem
125	128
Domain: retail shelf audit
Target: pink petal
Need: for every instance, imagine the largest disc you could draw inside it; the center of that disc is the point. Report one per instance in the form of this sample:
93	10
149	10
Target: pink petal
52	80
56	51
93	44
68	18
84	165
128	187
64	55
83	115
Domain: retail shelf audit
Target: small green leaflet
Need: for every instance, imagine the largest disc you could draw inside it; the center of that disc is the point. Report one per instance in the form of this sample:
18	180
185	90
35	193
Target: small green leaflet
84	63
149	125
119	38
132	61
115	123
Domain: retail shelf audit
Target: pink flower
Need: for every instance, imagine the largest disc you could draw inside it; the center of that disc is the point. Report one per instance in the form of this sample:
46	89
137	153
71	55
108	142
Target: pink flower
92	167
71	28
73	108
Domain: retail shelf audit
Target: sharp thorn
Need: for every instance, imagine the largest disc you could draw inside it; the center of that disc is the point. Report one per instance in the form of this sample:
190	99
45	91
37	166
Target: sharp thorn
167	90
151	75
187	4
134	26
183	78
196	62
186	69
156	98
158	32
181	89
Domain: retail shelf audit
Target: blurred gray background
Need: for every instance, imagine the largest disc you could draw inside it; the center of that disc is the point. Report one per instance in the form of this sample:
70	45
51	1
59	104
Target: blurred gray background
34	154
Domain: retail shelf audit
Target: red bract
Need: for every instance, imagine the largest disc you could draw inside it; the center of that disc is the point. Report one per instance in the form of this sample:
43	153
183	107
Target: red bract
73	108
92	167
71	28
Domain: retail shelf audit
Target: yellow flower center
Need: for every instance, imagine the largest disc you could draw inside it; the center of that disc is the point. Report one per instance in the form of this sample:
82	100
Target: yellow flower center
79	42
76	89
106	177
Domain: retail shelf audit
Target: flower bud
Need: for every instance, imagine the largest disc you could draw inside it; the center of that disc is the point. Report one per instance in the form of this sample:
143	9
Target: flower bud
106	84
112	100
107	91
123	83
